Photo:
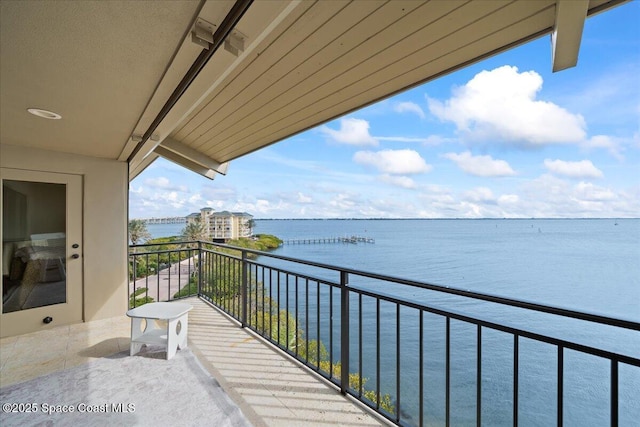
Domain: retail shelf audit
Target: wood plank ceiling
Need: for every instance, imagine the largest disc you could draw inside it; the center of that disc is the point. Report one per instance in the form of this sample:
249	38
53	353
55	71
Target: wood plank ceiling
320	60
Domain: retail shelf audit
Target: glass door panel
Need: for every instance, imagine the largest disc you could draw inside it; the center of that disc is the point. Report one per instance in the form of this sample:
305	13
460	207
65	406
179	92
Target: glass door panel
34	244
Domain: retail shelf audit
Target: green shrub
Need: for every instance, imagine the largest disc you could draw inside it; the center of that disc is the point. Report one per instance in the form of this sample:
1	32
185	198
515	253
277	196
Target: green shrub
136	300
190	289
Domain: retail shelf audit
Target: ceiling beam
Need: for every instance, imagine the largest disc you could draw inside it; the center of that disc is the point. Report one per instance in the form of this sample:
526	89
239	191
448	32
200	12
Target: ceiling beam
567	33
185	162
135	170
195	156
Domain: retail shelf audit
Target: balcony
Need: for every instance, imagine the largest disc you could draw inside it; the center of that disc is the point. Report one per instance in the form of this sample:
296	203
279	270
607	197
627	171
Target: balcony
269	389
296	342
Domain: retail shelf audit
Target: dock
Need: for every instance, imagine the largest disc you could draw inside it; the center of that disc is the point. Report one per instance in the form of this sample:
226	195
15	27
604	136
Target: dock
345	239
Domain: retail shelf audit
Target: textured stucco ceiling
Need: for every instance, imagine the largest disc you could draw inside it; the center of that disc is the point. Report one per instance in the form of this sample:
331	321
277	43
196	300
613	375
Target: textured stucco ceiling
97	63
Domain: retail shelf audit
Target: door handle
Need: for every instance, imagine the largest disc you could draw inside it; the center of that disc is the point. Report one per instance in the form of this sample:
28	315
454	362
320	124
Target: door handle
75	256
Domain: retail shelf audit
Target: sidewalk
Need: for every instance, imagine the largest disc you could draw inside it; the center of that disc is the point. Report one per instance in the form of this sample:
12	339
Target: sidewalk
163	285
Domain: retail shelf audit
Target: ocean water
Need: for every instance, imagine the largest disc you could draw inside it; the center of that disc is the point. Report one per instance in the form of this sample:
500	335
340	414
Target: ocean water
581	264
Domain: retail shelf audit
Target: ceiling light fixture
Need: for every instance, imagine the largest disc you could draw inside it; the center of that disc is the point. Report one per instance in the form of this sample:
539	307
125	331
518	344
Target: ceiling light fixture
44	114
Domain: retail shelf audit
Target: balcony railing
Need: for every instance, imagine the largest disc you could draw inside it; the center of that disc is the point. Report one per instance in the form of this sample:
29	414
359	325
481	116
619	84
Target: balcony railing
418	353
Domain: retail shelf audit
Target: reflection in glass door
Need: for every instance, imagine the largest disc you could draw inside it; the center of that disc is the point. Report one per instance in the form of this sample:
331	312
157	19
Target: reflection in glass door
34	237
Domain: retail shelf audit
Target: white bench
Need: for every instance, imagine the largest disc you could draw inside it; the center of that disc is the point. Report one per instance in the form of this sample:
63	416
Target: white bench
172	337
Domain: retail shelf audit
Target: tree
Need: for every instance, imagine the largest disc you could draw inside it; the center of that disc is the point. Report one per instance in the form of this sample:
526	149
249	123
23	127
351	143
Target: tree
194	230
138	231
250	224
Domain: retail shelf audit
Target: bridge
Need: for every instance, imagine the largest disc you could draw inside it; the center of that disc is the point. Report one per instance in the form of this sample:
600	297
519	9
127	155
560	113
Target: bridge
168	220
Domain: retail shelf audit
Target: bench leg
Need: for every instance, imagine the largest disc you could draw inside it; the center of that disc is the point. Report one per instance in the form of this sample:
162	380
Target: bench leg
136	332
184	329
176	335
135	348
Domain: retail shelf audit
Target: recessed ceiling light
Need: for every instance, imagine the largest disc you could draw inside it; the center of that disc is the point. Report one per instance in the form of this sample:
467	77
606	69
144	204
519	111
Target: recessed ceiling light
44	114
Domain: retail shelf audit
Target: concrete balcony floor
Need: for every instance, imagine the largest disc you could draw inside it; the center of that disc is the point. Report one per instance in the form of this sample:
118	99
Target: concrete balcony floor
270	388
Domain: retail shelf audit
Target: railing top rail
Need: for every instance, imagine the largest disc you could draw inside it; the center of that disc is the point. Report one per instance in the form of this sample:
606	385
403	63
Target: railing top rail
574	314
182	242
163	251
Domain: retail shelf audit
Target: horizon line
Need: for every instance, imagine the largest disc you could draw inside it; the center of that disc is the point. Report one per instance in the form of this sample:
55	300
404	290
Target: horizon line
414	218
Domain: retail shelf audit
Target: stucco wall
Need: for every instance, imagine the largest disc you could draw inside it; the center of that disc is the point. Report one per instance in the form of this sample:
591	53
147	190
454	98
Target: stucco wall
104	222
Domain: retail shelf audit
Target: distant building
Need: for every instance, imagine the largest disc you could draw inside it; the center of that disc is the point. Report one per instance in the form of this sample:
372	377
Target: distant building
223	225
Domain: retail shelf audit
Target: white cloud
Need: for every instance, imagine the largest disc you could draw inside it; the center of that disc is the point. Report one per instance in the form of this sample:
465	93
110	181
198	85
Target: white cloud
304	199
399	181
343	201
549	196
593	193
484	166
410	107
430	140
261	207
195	199
352	131
500	105
217	192
508	199
581	169
479	194
165	184
604	142
396	162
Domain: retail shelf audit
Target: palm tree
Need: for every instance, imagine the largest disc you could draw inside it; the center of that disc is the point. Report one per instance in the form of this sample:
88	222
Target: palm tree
138	231
194	230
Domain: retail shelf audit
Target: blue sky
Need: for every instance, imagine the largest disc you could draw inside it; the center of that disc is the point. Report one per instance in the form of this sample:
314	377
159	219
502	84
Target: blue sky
502	138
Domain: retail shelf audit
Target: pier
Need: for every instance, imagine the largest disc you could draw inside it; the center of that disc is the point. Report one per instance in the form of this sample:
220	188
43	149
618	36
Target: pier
346	239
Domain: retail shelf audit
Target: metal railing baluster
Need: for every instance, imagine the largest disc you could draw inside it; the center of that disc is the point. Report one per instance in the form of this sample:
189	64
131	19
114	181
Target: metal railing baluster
330	332
244	291
614	393
448	372
360	355
344	332
306	319
158	278
421	370
146	280
286	278
515	379
378	353
560	386
479	376
278	308
297	318
398	378
318	325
